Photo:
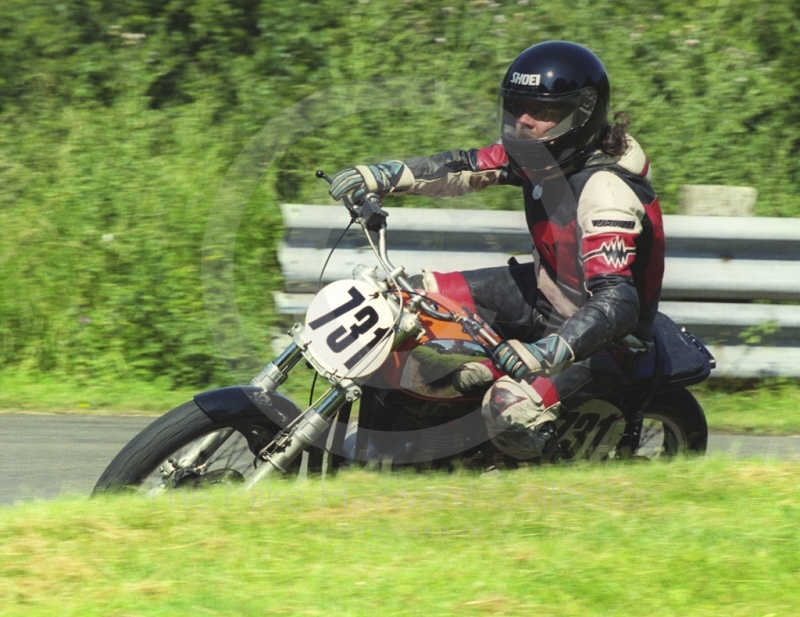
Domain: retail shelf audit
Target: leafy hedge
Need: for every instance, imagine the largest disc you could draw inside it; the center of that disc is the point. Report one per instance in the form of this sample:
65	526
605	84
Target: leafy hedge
119	121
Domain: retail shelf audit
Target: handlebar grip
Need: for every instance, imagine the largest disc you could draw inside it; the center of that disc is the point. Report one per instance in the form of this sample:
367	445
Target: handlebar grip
373	214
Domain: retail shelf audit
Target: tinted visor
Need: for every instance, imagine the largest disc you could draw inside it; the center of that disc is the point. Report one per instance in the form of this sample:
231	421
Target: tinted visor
559	114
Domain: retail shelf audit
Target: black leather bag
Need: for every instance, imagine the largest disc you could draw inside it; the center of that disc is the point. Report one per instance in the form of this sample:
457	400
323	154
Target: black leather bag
678	359
683	358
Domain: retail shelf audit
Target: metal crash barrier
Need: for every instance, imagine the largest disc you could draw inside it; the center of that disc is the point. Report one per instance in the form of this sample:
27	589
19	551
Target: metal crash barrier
732	281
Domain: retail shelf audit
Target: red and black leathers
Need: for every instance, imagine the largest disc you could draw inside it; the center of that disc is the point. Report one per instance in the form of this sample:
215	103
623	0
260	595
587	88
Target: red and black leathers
597	236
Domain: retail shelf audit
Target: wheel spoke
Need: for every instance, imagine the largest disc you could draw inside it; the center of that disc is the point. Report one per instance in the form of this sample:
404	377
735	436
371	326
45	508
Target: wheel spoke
660	437
231	458
187	448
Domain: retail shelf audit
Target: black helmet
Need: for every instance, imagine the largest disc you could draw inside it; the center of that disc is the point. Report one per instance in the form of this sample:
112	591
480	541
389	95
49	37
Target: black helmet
563	85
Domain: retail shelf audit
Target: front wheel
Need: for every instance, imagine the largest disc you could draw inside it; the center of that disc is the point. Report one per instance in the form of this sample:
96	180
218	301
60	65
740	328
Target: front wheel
674	423
186	448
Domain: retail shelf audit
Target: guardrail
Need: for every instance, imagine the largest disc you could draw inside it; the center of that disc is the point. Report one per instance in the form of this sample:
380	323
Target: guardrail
732	281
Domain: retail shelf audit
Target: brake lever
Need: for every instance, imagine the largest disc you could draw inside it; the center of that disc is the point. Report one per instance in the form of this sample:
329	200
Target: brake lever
370	209
345	199
322	174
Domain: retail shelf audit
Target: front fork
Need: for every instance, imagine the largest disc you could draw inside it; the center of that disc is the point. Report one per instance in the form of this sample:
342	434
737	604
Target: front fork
296	437
312	423
305	430
270	378
276	372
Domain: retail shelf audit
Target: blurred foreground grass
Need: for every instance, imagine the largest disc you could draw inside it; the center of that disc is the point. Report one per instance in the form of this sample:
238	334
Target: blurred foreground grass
691	537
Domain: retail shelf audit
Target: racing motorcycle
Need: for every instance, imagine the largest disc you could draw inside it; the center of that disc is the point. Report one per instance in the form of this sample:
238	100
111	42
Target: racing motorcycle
381	340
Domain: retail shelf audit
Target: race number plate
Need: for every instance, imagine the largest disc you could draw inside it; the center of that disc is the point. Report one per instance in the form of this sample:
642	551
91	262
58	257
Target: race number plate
590	432
349	328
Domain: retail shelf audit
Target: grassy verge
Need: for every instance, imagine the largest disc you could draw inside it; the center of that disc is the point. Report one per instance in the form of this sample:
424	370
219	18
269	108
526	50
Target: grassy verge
22	392
25	392
762	408
699	537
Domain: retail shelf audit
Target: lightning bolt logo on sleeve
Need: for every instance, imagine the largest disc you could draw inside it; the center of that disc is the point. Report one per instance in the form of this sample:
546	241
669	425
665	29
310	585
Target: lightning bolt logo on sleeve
613	255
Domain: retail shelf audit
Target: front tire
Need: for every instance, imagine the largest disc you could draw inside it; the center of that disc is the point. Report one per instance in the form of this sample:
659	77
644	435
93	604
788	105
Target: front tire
142	465
674	423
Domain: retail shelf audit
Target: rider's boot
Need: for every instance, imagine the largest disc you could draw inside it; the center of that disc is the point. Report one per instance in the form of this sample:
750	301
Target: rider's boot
551	453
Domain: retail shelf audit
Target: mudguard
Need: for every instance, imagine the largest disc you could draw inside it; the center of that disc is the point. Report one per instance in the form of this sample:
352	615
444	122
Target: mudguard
238	401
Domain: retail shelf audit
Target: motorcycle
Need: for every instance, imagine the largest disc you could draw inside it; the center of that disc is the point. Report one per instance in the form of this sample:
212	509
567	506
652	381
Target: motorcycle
382	340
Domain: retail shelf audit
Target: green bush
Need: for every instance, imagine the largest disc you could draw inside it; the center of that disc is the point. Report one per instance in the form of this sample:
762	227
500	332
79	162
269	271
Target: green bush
119	121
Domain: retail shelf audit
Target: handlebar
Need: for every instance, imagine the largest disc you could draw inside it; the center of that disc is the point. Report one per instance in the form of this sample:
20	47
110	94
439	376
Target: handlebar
368	212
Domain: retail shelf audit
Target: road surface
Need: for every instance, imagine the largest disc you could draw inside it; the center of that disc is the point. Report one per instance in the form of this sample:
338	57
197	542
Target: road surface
45	456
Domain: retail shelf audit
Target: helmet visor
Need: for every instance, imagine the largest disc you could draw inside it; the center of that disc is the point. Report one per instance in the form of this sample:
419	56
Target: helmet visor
545	117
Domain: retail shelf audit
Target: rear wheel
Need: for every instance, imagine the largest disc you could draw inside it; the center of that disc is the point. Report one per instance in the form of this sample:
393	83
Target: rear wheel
674	423
186	449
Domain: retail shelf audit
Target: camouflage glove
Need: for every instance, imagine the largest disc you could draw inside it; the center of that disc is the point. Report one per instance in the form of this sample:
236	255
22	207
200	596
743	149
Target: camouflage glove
546	356
380	178
472	378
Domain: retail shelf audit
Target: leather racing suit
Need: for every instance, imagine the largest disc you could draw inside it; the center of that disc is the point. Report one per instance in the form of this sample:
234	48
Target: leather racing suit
598	262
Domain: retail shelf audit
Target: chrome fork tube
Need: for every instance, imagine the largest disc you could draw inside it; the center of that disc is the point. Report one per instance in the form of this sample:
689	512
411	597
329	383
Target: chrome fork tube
287	446
270	378
288	358
276	372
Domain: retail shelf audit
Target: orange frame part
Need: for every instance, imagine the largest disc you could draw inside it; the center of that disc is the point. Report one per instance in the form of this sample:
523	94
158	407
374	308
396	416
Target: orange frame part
433	329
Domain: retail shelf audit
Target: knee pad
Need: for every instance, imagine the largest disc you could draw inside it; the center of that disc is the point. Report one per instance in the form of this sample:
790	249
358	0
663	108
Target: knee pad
426	281
517	420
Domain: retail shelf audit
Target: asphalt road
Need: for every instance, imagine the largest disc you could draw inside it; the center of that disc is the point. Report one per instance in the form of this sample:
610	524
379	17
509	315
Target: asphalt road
45	456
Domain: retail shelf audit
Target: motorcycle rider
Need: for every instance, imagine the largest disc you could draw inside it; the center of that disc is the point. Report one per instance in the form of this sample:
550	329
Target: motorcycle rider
576	318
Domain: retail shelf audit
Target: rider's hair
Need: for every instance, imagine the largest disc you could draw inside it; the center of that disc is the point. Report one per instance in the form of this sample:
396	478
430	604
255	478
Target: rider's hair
614	142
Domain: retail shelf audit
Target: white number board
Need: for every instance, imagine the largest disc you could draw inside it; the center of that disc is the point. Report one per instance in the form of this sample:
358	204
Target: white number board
349	328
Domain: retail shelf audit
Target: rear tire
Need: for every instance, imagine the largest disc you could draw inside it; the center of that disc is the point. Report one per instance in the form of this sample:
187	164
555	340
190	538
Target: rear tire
674	423
137	465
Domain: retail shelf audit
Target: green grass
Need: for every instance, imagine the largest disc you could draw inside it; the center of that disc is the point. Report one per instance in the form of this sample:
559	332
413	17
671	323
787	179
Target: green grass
761	408
22	392
115	153
692	537
757	407
30	393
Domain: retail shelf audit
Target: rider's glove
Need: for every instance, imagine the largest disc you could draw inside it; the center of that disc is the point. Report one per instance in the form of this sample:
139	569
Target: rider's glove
546	356
473	378
380	178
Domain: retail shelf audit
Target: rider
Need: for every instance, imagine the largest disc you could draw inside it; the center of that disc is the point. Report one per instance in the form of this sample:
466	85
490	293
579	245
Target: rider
577	316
